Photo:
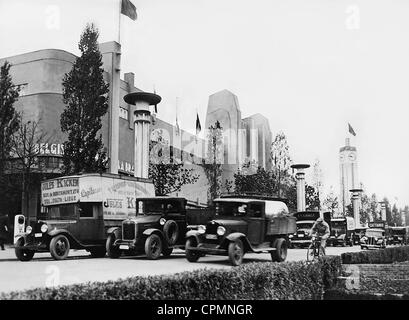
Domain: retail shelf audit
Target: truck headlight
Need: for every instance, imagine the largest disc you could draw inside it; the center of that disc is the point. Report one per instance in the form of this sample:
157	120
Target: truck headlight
201	228
290	236
221	230
44	228
29	229
162	221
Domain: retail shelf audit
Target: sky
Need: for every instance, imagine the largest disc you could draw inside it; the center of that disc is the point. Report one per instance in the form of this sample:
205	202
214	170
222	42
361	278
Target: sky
309	66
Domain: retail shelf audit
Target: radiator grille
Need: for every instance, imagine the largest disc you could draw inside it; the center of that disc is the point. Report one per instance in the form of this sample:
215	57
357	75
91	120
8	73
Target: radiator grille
128	230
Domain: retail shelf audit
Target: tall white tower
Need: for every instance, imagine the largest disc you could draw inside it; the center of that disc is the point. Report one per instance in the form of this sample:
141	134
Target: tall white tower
348	165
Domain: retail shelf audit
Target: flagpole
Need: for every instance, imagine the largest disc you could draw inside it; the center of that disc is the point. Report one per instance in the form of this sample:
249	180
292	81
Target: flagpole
119	22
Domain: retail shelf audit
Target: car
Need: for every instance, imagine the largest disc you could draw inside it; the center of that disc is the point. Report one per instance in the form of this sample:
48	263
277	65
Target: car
397	235
158	228
358	234
373	238
243	224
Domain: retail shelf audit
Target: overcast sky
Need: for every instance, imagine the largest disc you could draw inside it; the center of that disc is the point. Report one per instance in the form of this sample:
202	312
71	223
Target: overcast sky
309	66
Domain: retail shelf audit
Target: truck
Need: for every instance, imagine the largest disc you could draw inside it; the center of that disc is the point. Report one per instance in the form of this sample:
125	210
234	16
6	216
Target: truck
304	222
397	235
243	223
79	212
159	227
342	231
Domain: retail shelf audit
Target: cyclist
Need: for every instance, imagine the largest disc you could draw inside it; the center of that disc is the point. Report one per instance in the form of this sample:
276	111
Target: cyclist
321	228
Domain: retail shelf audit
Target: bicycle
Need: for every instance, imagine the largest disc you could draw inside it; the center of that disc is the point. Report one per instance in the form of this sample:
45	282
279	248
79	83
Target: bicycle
315	249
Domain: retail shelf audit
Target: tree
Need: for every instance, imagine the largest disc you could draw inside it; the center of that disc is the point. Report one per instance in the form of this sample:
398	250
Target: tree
280	158
388	211
262	182
396	216
406	213
331	202
214	159
317	180
312	200
25	159
85	95
9	120
167	175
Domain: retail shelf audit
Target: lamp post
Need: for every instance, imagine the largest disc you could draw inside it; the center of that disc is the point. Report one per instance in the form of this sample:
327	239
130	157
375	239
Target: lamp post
300	176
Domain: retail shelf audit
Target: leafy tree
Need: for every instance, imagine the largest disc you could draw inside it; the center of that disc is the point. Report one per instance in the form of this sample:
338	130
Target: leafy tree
9	120
331	203
85	95
311	197
280	159
167	175
406	213
213	162
366	210
396	216
312	200
388	211
262	182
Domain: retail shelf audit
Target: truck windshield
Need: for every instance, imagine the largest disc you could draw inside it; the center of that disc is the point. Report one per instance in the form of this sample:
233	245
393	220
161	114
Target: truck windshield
151	207
338	226
63	212
304	225
399	232
232	209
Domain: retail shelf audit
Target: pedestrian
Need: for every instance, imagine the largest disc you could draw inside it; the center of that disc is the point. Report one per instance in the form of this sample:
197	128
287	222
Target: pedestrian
4	231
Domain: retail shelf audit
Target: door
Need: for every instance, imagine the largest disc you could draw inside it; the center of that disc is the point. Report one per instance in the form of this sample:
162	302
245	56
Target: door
91	223
256	223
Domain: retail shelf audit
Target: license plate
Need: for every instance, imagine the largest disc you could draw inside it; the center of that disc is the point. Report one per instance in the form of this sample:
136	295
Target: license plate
301	236
38	235
124	247
211	236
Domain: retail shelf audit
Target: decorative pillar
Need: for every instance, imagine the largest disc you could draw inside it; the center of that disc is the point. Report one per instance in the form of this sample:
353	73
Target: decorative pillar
142	120
300	176
355	199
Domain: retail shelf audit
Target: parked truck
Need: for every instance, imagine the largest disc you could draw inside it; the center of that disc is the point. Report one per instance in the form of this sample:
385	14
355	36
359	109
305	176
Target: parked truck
79	212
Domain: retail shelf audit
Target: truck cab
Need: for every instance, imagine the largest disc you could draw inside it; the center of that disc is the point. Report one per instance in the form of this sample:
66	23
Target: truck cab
243	224
78	212
159	227
342	231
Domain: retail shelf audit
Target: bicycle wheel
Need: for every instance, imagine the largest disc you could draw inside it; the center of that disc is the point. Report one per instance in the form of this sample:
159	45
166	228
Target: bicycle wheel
311	252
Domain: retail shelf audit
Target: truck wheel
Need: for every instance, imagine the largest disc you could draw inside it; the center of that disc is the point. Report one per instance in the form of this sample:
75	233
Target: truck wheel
112	251
153	247
167	252
23	254
98	252
59	247
191	256
171	232
236	252
280	253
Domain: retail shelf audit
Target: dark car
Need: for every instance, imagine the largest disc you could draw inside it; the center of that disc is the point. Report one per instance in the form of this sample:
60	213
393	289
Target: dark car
373	238
159	227
243	224
397	235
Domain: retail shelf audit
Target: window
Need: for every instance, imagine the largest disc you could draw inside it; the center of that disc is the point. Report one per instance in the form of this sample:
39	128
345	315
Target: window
256	210
123	113
86	210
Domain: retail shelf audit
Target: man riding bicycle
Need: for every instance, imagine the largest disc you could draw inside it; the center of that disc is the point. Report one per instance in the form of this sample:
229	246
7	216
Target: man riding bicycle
321	228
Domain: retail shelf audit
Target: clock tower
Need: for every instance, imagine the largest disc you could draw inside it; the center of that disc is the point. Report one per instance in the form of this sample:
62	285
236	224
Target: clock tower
348	172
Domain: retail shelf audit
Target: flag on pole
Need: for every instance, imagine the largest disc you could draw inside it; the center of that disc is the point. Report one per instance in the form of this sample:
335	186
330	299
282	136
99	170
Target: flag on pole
351	130
128	9
156	106
198	126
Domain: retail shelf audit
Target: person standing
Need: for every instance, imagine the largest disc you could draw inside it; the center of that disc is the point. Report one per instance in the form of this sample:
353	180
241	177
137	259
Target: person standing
3	231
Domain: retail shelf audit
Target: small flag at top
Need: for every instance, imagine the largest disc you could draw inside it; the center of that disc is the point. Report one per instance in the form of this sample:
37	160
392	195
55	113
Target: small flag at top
128	9
198	126
351	130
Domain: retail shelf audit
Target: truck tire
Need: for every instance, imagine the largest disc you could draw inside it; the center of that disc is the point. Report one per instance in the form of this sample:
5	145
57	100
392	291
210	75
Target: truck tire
98	252
23	254
59	247
280	252
171	232
112	251
153	247
191	256
236	252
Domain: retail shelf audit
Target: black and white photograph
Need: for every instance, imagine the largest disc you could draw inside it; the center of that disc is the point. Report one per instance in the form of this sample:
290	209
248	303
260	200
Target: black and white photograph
204	156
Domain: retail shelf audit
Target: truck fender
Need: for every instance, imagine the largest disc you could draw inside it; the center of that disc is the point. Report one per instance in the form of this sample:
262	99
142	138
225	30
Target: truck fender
192	233
238	235
151	231
114	230
73	242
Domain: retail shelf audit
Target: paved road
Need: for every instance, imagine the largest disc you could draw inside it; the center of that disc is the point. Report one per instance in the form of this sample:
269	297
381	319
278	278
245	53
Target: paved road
80	267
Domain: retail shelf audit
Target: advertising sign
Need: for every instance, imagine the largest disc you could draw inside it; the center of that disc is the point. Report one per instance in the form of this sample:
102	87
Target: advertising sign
116	195
377	224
